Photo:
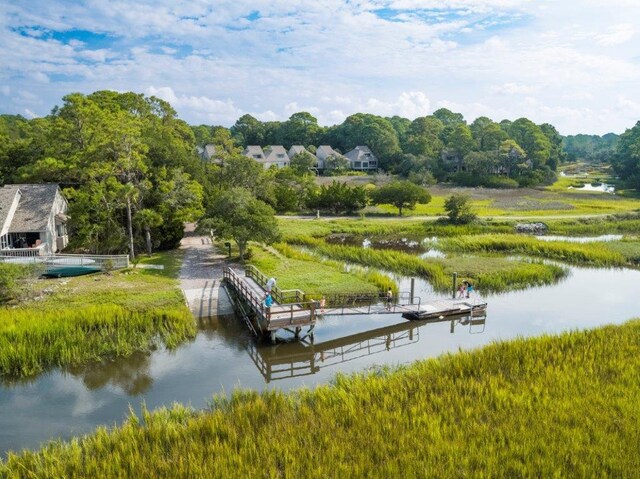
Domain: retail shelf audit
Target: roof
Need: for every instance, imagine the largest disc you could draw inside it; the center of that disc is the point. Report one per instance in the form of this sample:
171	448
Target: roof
7	196
324	151
209	151
296	150
272	152
34	208
253	150
359	152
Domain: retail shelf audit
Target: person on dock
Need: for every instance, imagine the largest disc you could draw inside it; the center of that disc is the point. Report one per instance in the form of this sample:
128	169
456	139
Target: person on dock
323	303
469	288
267	303
270	285
389	299
462	289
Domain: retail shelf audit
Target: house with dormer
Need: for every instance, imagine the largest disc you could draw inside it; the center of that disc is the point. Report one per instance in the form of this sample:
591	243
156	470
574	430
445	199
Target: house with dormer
275	155
33	220
362	159
322	153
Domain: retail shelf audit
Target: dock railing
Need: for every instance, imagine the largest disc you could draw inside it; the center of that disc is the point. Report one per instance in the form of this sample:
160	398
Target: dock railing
284	312
282	296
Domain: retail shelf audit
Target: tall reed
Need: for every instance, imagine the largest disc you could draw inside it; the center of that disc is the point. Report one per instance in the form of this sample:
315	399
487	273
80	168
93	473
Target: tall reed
32	340
555	406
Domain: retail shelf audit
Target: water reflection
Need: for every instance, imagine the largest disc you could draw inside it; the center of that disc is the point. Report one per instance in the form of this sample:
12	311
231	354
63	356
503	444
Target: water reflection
304	358
223	356
131	374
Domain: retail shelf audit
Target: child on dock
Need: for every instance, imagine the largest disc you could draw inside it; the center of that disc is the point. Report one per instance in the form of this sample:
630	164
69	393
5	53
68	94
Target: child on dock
267	303
462	289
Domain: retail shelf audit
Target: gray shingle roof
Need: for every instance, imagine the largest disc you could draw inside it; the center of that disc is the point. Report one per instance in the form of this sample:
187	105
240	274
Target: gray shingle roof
276	153
7	196
359	152
32	214
254	151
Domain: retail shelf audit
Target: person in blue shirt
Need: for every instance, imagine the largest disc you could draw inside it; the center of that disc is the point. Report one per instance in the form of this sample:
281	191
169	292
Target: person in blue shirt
268	302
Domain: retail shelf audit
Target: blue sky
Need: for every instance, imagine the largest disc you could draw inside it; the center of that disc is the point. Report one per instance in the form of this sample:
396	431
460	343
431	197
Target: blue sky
573	64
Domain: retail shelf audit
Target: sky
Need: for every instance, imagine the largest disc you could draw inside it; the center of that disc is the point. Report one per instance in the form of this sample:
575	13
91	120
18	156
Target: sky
574	64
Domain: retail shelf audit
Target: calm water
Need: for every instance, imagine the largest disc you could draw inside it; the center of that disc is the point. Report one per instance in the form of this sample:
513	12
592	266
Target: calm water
224	356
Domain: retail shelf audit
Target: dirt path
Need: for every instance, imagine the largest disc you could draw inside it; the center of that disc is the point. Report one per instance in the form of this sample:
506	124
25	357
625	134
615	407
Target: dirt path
201	275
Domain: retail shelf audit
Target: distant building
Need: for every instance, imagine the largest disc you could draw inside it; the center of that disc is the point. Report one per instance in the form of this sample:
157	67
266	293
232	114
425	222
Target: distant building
362	159
33	220
275	155
210	153
255	152
323	152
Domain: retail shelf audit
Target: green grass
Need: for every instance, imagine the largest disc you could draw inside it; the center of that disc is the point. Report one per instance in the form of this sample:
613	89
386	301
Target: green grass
488	274
555	406
595	254
74	320
296	269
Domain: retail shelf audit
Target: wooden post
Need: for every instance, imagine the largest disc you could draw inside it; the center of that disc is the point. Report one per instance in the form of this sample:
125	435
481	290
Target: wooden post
455	284
413	289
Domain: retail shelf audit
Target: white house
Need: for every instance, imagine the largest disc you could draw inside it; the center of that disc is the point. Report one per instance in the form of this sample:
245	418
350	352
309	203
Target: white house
275	155
33	219
362	159
209	153
322	153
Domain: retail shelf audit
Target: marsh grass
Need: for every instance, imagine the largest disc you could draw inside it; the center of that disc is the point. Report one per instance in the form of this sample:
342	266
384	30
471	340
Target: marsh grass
74	320
555	406
596	254
492	274
33	341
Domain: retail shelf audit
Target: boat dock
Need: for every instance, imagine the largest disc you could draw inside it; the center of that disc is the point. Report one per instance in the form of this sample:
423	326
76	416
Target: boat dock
295	312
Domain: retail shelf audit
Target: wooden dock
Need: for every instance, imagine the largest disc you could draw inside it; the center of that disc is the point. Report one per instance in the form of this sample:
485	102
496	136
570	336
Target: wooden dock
291	311
249	297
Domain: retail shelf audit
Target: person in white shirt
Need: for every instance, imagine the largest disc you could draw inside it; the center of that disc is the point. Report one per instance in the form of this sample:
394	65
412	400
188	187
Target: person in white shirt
271	284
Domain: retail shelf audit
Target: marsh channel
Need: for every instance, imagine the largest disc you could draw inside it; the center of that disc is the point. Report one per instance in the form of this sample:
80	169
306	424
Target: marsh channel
62	404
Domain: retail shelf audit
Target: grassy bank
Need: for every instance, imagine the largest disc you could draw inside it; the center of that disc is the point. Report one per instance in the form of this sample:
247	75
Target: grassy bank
297	269
561	406
74	320
595	254
488	274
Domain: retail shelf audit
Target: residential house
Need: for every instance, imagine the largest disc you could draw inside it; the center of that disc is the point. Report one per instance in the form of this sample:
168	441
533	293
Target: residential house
210	153
452	161
255	152
296	150
275	155
32	219
362	159
322	153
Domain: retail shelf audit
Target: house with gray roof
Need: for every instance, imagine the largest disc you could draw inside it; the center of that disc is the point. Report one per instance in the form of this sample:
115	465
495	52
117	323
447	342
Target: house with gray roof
210	153
323	152
362	159
33	220
275	155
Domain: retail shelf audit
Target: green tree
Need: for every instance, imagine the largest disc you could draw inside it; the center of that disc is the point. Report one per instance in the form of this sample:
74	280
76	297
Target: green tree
248	131
238	215
300	129
459	210
626	161
336	164
302	163
487	134
422	138
339	197
401	194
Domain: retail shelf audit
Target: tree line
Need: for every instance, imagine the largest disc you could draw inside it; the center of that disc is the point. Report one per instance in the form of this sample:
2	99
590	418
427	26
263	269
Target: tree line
131	171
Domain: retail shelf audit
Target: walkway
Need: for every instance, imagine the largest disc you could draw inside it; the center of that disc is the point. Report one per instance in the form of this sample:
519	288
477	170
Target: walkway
201	276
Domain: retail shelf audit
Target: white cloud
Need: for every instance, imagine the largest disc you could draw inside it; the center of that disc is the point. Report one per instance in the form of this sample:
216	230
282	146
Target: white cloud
617	35
213	62
30	114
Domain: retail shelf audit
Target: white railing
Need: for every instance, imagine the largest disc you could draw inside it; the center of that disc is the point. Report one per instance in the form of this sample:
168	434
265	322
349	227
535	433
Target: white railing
103	262
24	252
